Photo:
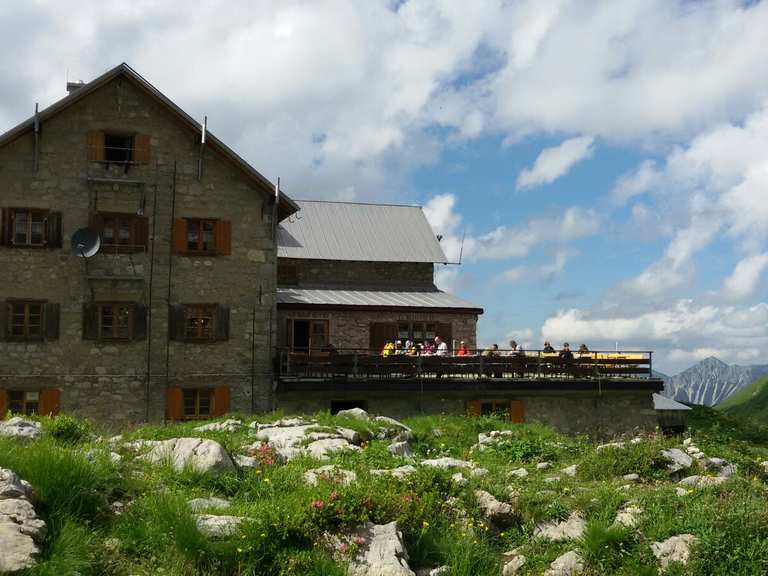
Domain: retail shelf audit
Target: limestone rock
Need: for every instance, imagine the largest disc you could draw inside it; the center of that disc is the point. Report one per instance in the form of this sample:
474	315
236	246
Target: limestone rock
479	472
674	549
400	449
200	504
513	561
353	413
764	464
197	453
401	473
495	512
570	470
245	461
20	529
543	465
728	470
681	491
631	477
610	446
628	516
139	445
321	449
445	463
18	427
330	473
218	527
287	438
439	571
283	423
551	479
702	481
676	459
394	429
382	552
569	529
230	425
352	436
569	564
519	473
459	479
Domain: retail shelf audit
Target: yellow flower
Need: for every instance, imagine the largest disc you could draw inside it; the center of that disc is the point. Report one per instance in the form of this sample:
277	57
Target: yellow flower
425	524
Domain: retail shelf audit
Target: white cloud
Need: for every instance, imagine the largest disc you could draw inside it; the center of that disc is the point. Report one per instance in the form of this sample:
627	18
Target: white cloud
552	163
513	275
745	277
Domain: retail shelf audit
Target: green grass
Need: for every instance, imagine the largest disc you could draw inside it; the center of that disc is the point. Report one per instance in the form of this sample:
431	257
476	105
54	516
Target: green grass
751	403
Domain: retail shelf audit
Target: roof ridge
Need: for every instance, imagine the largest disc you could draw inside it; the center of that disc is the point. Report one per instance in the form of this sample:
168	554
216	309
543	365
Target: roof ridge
317	201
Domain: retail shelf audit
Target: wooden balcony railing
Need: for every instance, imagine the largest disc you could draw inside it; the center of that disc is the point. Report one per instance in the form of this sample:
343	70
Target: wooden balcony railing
531	364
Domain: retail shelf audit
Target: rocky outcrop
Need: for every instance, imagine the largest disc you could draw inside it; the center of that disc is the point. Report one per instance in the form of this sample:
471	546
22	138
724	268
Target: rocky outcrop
21	428
331	474
400	449
198	454
519	473
21	531
212	502
628	516
401	473
496	513
676	459
229	425
218	527
569	564
354	413
559	531
674	549
513	562
381	552
295	437
446	463
702	481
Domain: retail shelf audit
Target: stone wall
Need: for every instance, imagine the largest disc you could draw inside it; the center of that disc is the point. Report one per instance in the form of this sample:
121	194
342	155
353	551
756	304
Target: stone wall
351	328
361	275
108	380
610	413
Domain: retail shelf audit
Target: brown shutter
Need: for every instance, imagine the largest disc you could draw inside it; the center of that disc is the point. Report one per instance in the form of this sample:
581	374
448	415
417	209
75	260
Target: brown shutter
3	403
4	316
474	407
179	236
53	230
141	231
141	148
222	322
96	146
90	321
516	411
174	403
220	400
380	334
223	237
5	226
49	401
51	316
176	322
139	322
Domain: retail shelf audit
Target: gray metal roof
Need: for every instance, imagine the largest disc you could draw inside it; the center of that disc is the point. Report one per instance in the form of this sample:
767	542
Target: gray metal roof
663	403
351	231
376	298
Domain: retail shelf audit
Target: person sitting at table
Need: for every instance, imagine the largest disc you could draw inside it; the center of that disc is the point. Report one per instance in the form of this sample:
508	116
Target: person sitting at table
427	349
441	348
411	349
584	351
514	348
389	349
565	353
399	350
548	347
463	350
492	350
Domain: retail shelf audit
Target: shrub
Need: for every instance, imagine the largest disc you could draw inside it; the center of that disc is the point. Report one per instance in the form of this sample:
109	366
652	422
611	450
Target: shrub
67	428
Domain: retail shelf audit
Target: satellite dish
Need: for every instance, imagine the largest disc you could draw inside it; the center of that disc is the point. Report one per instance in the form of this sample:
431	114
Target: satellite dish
85	242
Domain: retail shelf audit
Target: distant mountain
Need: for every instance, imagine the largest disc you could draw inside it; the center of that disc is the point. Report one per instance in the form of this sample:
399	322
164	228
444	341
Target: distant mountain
711	381
749	402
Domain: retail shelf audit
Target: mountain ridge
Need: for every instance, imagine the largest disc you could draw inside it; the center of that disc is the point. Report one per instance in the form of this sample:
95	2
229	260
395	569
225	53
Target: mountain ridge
711	381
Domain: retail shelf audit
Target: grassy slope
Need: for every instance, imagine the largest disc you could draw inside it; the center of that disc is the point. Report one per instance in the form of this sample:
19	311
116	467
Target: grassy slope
749	402
287	519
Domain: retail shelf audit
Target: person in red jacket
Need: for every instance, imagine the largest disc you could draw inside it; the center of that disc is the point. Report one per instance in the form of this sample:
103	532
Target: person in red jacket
463	350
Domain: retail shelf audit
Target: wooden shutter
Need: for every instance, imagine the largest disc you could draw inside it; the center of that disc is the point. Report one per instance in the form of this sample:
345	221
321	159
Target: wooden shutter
139	322
141	148
90	321
49	401
445	331
220	400
3	403
380	334
179	236
222	322
141	231
5	226
4	316
53	230
51	316
223	233
96	146
174	403
474	407
516	411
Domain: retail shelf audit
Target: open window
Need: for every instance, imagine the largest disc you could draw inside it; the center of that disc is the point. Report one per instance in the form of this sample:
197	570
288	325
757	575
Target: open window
116	147
307	335
44	402
183	403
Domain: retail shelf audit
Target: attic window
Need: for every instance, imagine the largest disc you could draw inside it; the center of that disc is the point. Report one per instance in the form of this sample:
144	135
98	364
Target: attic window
118	148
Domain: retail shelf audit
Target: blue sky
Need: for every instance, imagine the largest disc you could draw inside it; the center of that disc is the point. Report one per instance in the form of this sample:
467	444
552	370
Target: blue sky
606	161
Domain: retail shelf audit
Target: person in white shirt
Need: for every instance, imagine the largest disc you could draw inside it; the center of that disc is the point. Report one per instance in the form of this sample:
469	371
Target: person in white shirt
441	348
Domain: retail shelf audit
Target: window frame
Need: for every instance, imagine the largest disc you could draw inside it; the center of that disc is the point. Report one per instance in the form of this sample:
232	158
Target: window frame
29	212
290	331
137	240
12	403
11	314
200	308
423	329
130	151
196	395
115	306
197	224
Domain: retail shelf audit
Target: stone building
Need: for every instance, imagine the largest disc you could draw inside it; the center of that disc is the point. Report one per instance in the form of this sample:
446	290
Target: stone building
173	316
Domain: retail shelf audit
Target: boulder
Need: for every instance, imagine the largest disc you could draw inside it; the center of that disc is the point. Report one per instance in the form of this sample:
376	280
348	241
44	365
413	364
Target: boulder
459	479
702	481
21	531
569	564
139	445
439	571
674	549
18	427
381	553
445	463
543	465
218	527
631	477
230	425
321	449
401	473
282	423
764	464
479	472
569	529
728	470
354	414
513	561
197	453
331	473
498	514
551	479
570	470
519	473
681	491
394	429
676	459
288	438
628	516
200	504
400	449
245	461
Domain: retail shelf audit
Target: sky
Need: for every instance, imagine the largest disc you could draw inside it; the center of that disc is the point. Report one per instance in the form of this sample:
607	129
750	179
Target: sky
599	168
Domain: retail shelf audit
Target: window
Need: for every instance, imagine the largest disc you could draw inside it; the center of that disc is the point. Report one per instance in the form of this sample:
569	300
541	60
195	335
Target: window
416	331
306	335
115	321
121	232
25	320
287	274
21	402
29	227
118	148
201	236
197	402
199	322
489	408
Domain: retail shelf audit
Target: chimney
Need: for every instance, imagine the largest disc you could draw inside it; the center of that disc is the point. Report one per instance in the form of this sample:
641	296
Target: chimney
72	86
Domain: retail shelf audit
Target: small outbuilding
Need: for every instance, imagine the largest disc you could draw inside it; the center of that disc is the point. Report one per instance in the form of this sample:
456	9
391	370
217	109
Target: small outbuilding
671	414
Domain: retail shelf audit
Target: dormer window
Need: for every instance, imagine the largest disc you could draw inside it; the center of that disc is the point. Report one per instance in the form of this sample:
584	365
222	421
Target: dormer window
118	148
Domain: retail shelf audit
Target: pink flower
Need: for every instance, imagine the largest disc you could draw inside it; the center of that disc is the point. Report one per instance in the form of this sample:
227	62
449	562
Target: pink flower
344	547
334	495
318	504
408	498
359	540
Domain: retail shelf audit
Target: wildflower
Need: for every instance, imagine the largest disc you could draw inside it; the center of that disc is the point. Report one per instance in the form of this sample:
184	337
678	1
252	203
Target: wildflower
240	550
267	480
425	524
344	548
408	498
334	495
359	540
318	504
